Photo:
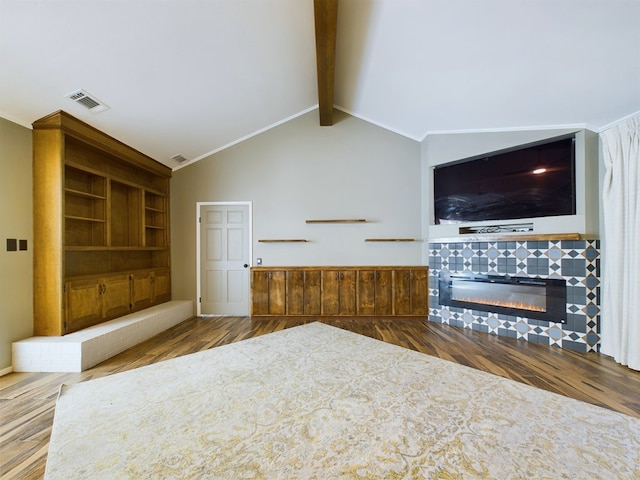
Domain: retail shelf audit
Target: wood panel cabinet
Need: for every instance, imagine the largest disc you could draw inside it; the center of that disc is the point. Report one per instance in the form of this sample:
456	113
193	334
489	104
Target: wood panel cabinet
101	212
411	291
295	292
149	287
346	291
339	292
312	292
92	300
374	292
269	290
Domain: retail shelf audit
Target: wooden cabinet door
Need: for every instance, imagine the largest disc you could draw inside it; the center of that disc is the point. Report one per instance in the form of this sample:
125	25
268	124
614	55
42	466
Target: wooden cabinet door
411	292
92	300
383	293
312	287
260	293
419	292
161	286
339	292
268	290
295	292
83	304
116	295
330	292
141	295
366	292
277	292
402	292
374	292
348	292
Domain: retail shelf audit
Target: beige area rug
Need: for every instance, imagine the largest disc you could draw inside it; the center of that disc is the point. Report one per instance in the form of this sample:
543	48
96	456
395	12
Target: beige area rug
317	402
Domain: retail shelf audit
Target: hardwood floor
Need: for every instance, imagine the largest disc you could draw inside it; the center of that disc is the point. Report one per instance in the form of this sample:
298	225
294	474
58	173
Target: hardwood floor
27	400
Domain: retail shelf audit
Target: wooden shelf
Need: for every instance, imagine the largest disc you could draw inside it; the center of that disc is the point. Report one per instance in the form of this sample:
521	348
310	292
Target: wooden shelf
283	240
84	219
389	239
80	193
339	220
510	238
104	248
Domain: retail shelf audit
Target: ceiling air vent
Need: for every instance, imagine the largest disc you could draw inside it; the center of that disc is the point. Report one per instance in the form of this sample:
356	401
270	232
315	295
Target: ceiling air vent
88	101
179	158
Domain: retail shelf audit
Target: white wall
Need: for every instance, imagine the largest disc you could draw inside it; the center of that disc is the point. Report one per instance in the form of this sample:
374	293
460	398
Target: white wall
16	277
299	171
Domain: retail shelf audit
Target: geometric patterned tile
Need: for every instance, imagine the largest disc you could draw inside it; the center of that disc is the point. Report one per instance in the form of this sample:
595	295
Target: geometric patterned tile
577	262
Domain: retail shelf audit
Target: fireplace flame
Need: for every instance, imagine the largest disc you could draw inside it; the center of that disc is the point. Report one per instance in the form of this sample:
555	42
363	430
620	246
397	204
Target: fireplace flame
500	303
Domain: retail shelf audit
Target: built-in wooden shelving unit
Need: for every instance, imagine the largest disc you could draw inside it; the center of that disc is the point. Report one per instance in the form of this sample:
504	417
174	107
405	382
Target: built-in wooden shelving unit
100	227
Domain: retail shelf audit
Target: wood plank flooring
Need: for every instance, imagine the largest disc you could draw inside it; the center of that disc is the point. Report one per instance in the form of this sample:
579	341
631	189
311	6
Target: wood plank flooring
27	400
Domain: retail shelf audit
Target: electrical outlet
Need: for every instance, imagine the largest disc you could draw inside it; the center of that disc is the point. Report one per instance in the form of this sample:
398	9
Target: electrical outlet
259	261
12	245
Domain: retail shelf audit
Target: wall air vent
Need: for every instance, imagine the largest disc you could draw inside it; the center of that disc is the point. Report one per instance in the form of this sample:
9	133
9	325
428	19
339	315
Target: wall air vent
179	158
88	101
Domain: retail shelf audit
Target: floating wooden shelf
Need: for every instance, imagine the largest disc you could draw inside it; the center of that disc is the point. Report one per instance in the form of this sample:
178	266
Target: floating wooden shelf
283	240
338	220
389	239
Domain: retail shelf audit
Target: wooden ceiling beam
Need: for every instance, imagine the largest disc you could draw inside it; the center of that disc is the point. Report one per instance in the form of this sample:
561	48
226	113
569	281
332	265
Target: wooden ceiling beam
326	20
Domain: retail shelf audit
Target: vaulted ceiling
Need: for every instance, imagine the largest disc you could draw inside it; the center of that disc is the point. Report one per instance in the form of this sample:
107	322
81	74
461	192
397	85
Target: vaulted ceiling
191	77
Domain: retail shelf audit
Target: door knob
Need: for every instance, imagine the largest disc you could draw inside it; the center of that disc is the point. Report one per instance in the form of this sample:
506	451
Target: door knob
246	265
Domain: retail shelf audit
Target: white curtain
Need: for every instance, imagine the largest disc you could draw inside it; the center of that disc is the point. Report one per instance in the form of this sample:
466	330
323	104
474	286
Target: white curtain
620	313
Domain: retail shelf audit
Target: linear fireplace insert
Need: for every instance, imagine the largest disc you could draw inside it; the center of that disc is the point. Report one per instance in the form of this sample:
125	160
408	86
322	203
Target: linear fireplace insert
539	298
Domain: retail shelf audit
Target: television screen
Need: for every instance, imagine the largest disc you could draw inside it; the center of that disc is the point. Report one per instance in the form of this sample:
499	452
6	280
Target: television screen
536	180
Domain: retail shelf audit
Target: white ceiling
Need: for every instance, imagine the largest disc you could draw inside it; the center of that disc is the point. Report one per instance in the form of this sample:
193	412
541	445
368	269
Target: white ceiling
191	77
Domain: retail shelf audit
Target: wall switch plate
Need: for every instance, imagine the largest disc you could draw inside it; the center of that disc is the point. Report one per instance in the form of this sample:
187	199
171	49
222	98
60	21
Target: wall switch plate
12	245
22	245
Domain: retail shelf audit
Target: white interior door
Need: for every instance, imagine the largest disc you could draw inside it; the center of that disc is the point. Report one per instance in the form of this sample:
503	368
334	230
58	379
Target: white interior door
225	244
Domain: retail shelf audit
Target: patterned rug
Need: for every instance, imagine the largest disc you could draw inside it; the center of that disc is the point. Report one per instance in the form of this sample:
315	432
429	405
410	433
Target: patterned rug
318	402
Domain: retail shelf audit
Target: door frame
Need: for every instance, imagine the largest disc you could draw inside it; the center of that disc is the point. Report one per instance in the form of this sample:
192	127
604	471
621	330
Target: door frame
199	205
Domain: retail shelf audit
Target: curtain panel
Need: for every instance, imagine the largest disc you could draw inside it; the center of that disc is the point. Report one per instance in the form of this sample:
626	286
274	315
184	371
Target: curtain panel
620	314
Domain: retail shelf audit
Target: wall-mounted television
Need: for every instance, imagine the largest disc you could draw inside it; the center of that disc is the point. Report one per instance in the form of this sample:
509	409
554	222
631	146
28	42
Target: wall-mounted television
529	181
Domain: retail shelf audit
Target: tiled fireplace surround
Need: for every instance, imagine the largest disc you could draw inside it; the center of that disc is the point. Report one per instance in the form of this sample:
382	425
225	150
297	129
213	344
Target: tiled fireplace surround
577	261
